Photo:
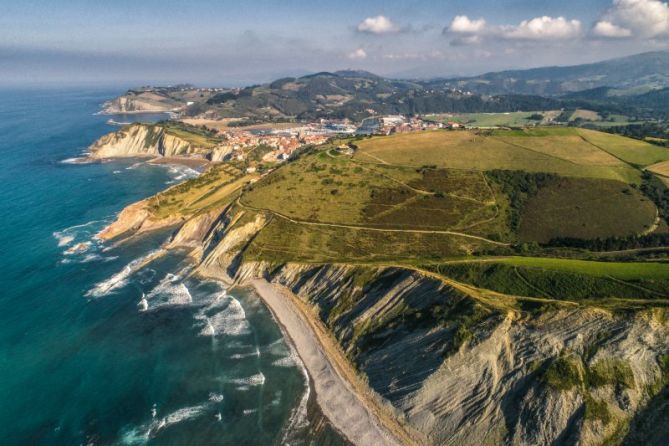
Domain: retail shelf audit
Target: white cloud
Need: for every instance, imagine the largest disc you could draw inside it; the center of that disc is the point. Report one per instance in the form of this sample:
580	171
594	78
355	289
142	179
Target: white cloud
463	24
377	25
643	18
608	29
543	28
358	54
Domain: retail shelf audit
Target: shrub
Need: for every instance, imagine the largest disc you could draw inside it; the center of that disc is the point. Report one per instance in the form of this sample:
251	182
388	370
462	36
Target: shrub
611	372
563	373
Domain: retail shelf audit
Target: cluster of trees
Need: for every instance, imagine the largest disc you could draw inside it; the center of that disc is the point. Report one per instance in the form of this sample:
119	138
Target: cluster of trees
519	186
613	243
651	187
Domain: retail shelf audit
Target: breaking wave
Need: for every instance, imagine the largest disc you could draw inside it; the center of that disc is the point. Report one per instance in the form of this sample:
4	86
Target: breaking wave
169	291
80	244
181	173
76	160
143	433
254	380
225	316
120	279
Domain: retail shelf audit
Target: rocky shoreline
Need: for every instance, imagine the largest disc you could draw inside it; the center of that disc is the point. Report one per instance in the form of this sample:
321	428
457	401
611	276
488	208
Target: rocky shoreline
493	386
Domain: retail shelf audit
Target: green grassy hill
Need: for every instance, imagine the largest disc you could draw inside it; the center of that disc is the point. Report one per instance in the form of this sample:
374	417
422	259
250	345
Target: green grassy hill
426	199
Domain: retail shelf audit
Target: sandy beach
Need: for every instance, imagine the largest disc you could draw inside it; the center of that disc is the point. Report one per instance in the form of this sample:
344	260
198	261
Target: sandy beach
350	412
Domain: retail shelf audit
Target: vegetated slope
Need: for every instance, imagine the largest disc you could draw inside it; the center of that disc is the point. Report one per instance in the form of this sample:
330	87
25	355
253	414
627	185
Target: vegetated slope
641	71
488	350
328	188
389	187
586	208
636	101
565	279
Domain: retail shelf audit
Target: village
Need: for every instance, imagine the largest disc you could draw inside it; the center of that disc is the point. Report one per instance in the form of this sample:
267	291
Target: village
283	140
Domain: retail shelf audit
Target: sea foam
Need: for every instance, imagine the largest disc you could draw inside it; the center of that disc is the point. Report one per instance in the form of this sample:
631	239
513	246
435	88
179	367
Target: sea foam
225	316
120	279
143	433
169	291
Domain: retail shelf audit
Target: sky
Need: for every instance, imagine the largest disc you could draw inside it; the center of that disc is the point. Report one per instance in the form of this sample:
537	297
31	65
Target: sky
234	43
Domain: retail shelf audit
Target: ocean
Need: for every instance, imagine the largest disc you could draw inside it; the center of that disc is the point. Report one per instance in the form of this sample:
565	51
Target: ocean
95	346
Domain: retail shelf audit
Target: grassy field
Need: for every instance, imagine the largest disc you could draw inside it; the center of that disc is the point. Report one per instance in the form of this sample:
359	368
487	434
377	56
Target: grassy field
660	168
629	150
558	150
195	135
587	115
512	119
585	208
335	189
284	241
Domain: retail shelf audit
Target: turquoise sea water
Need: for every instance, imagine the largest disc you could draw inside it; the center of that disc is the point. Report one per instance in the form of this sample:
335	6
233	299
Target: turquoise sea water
83	359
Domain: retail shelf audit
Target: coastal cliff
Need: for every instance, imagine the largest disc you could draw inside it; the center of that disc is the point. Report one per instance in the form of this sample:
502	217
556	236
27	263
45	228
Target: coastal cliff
141	102
156	140
458	367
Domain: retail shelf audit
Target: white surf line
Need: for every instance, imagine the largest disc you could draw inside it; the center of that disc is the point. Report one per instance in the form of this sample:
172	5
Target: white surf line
338	401
120	279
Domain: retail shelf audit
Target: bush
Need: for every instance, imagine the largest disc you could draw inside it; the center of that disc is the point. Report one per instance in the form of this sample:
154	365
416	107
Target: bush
611	372
563	373
519	186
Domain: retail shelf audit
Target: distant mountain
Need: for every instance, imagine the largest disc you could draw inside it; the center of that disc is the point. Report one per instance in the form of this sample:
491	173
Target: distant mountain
653	104
633	74
630	85
355	95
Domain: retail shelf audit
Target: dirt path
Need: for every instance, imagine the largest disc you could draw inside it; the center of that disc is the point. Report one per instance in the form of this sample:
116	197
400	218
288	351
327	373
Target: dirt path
341	395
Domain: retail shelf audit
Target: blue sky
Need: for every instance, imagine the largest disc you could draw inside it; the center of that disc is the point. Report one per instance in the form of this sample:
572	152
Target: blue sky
239	42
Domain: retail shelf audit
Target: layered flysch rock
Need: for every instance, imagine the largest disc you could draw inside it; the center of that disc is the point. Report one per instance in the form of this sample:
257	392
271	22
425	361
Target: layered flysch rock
152	140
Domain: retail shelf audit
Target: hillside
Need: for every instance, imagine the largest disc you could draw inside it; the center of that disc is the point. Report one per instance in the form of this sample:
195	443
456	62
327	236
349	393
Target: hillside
433	261
632	75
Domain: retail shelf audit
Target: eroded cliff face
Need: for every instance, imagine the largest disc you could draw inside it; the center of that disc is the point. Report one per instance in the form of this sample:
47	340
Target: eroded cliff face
459	370
135	219
144	140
